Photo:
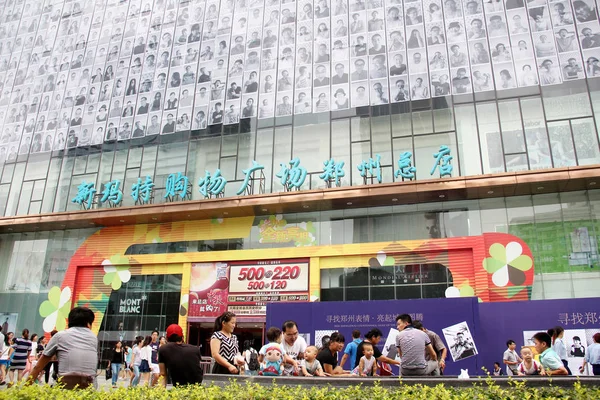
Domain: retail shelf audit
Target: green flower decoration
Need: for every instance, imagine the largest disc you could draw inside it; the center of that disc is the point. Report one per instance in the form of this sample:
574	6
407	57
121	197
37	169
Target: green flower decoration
507	264
115	275
56	309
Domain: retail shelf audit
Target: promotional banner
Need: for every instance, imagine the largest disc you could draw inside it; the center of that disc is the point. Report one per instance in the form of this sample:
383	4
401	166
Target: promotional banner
344	317
208	289
252	285
475	333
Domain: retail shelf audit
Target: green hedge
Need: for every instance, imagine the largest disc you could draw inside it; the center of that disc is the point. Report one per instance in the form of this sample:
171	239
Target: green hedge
483	389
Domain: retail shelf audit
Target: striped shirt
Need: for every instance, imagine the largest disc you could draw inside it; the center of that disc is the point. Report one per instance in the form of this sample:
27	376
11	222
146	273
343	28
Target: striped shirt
22	347
229	346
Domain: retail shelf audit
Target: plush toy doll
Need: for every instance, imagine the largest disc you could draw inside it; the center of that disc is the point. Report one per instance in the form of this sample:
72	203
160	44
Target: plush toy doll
271	366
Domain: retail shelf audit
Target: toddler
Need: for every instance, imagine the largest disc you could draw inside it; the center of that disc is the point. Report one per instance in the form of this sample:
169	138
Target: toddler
367	366
529	366
271	355
497	369
311	366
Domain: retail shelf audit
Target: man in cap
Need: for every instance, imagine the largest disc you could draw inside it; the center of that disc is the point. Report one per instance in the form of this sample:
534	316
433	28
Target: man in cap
181	361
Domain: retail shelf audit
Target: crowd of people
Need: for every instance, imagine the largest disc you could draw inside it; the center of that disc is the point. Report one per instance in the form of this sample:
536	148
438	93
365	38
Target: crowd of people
553	355
19	355
287	353
72	355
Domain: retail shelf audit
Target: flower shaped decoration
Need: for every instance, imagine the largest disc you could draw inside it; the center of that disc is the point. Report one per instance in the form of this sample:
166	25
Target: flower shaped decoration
382	260
507	264
56	309
183	306
115	275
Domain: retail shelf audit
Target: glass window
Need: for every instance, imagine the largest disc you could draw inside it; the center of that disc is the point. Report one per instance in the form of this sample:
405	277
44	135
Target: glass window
135	157
422	122
401	121
567	101
15	190
264	155
361	129
381	138
51	185
283	153
536	136
361	151
203	156
466	129
340	147
512	130
489	135
311	145
561	144
586	141
443	120
246	154
36	168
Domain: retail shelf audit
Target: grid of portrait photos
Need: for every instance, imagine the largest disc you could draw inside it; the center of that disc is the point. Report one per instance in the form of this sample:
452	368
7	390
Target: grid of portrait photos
82	73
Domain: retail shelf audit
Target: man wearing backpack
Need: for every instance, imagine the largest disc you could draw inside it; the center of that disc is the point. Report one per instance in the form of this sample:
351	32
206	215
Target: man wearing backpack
251	357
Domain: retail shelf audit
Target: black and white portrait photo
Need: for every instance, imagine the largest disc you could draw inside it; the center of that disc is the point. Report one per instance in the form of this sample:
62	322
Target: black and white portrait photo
460	341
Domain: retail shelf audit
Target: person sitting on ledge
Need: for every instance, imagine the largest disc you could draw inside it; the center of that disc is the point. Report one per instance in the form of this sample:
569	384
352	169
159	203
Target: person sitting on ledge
548	358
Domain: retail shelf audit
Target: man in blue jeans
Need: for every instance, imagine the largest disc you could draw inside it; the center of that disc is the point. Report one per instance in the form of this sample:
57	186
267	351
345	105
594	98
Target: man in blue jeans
350	351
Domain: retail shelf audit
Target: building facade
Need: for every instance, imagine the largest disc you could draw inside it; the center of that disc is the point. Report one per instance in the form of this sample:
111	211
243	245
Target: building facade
164	161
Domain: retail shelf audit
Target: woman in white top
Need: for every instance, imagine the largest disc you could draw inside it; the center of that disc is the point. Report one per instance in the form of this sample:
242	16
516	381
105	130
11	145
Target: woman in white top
32	359
136	361
146	360
558	344
5	352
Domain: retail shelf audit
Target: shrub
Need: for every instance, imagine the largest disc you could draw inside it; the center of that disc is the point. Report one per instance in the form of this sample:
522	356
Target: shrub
481	389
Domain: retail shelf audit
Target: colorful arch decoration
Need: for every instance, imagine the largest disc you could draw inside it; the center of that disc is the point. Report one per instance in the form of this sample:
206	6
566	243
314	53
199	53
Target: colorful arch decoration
492	266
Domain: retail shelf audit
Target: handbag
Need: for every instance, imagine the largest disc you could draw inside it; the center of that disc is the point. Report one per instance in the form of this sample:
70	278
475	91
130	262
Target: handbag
385	369
108	373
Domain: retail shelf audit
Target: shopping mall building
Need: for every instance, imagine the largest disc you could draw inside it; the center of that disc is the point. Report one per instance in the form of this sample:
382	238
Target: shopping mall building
166	161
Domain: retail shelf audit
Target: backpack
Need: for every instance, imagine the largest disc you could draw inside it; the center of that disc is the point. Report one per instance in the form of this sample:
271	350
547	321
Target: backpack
253	364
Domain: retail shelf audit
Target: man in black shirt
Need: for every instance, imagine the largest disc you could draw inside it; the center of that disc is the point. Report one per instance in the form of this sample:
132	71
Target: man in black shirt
181	361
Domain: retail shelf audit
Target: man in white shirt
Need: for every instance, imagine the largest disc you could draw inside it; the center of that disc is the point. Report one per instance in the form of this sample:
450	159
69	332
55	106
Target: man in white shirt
294	345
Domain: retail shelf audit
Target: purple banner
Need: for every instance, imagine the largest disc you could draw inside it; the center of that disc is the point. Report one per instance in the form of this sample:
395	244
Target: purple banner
490	324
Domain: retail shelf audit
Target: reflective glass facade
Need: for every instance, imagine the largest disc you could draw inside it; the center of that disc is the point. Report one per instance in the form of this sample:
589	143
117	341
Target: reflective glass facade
98	91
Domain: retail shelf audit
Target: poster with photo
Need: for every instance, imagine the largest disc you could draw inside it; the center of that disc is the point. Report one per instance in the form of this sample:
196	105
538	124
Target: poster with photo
322	338
389	348
460	341
8	322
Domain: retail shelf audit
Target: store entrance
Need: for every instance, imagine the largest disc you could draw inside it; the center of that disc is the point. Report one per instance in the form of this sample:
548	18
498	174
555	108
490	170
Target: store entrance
252	333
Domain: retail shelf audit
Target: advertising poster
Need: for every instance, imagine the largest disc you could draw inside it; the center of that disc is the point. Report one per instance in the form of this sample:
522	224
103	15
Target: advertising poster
253	285
208	289
8	322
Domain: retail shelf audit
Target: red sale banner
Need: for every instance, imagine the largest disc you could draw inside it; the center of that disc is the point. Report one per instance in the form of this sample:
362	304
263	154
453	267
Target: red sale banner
208	289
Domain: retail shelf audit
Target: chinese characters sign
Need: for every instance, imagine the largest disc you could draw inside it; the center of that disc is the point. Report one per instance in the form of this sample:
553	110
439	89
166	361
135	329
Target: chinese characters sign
292	176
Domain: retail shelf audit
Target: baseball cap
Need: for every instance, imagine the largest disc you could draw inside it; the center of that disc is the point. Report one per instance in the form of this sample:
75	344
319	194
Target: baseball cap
174	329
